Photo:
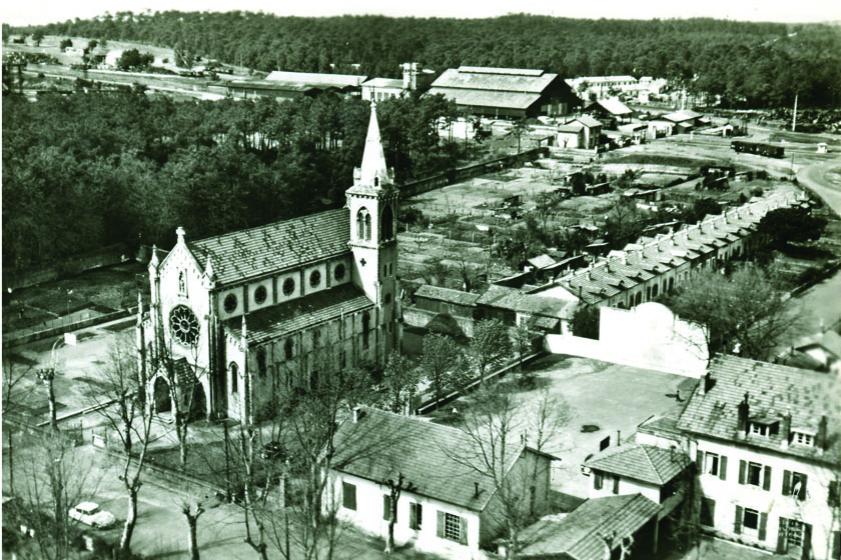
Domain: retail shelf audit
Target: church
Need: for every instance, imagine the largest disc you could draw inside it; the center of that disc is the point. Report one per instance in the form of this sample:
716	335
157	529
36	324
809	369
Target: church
250	314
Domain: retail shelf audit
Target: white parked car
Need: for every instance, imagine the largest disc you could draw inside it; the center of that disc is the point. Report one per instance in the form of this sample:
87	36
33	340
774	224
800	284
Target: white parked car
90	514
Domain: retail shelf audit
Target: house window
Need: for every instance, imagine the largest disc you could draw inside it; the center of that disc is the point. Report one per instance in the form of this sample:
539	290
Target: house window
598	480
754	474
707	516
453	528
261	361
794	484
750	519
366	329
234	371
260	295
348	495
315	278
803	439
288	286
758	429
712	464
615	484
231	303
415	516
387	507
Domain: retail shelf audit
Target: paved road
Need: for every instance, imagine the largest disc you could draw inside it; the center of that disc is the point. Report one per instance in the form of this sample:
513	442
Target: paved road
824	179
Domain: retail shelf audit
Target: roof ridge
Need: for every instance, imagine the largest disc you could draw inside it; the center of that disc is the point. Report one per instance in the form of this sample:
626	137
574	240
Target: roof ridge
303	218
645	451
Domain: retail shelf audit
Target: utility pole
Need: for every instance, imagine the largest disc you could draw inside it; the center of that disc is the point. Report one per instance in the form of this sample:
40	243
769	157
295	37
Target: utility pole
794	116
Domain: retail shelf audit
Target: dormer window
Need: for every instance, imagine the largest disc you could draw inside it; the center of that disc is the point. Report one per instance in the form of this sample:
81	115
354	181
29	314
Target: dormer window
764	429
802	438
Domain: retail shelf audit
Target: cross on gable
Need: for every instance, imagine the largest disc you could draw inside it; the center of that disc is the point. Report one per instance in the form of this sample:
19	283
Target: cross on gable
362	261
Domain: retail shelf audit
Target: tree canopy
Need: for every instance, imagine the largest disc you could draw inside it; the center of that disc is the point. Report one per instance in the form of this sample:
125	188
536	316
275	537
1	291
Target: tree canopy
791	225
747	63
89	170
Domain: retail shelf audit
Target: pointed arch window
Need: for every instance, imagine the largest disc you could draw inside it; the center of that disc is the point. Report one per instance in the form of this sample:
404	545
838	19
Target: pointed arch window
363	224
234	383
182	283
388	223
366	329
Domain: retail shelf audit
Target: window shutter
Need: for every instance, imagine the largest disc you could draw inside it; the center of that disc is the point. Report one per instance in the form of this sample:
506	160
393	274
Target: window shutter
836	545
807	541
615	484
802	495
722	468
742	468
786	483
782	536
699	461
763	525
462	530
737	523
766	478
439	528
832	496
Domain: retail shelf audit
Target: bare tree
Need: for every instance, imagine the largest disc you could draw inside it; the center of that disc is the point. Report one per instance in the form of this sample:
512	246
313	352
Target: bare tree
441	362
490	343
192	510
128	414
12	376
395	490
400	380
523	341
499	429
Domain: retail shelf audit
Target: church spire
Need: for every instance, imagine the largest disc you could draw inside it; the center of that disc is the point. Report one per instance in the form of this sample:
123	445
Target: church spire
374	172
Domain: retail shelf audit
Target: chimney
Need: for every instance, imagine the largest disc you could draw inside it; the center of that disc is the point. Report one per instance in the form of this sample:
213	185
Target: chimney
786	428
822	435
618	438
744	414
358	414
707	383
476	490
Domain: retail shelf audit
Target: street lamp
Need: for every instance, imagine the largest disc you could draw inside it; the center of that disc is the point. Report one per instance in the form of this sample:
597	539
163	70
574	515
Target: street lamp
47	376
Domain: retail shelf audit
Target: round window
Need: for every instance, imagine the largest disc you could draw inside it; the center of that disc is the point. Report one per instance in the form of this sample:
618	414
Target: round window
339	272
315	278
260	295
230	303
288	286
183	325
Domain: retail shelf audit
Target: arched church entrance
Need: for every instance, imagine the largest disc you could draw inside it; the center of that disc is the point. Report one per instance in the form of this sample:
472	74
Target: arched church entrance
162	400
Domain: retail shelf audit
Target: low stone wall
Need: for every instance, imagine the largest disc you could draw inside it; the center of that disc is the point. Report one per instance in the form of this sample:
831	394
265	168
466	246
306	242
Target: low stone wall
17	338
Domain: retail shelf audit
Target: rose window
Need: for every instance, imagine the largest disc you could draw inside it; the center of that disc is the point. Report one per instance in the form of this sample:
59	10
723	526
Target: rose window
184	326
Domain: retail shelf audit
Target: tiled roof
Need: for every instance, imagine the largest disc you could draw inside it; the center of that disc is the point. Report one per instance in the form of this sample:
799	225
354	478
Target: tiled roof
645	463
311	78
438	460
571	127
496	79
680	116
446	294
652	256
541	261
384	83
513	299
829	340
583	534
772	390
286	318
587	121
247	253
613	106
484	98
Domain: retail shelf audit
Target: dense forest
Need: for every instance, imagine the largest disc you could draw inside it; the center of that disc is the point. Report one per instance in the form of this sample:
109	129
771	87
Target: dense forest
88	170
748	64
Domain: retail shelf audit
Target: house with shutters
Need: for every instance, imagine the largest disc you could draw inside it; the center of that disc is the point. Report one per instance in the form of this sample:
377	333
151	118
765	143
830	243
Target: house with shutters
453	483
766	439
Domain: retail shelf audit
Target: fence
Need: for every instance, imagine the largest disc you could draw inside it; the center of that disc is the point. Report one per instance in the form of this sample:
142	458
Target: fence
30	335
113	254
469	171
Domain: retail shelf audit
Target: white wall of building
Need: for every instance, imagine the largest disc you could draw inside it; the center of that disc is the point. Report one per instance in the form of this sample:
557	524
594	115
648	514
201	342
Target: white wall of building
368	517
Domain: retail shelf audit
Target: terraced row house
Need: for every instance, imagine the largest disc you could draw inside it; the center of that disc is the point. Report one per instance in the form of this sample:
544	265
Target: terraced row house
249	314
644	270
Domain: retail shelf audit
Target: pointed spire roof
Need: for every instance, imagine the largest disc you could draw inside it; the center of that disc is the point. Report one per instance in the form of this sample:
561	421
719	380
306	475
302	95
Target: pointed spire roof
374	171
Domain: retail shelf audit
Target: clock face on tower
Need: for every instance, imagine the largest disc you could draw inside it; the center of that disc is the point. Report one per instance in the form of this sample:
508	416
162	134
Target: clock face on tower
183	325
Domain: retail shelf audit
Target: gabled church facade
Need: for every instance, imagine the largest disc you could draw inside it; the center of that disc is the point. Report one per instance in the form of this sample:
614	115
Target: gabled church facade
256	312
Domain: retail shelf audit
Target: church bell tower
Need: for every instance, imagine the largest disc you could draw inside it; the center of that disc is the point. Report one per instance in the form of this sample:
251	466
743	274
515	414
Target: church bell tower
372	202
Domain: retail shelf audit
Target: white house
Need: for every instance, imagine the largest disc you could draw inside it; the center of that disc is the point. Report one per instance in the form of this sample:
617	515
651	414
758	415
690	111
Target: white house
766	444
449	504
